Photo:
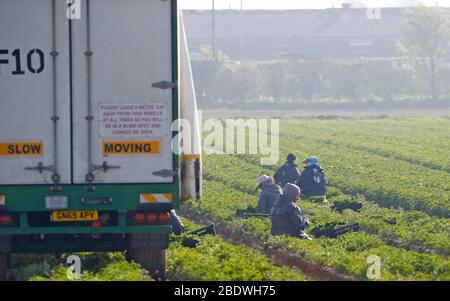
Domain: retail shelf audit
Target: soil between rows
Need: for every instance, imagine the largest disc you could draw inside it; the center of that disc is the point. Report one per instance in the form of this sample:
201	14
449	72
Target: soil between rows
277	256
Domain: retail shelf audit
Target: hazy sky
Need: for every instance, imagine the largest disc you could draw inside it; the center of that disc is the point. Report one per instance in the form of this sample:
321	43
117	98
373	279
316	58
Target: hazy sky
295	4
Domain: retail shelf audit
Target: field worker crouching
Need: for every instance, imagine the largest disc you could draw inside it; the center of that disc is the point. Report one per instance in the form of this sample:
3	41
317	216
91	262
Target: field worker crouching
313	181
269	194
288	173
287	218
177	226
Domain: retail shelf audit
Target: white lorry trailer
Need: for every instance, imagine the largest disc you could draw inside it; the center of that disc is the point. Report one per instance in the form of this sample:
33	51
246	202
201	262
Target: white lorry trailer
89	90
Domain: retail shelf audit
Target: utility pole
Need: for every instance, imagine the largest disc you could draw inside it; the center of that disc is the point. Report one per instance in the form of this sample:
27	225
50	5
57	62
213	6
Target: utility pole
213	28
241	13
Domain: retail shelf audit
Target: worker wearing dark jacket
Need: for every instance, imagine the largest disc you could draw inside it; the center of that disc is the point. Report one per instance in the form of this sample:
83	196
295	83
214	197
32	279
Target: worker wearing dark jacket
269	194
313	181
286	216
288	173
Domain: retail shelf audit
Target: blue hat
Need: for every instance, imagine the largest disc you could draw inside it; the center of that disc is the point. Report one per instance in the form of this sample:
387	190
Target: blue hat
311	160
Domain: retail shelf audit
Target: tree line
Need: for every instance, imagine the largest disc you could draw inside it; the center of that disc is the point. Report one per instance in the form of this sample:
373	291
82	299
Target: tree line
418	74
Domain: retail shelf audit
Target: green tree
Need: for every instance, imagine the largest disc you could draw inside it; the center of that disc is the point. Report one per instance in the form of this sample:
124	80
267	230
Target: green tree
424	37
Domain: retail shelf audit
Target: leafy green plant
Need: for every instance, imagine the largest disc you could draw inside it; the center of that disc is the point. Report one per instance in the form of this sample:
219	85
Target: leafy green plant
230	188
99	267
413	227
214	259
386	180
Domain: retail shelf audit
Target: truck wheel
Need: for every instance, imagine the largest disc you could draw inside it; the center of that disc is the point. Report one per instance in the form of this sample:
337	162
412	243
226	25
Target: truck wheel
149	250
153	260
5	249
4	266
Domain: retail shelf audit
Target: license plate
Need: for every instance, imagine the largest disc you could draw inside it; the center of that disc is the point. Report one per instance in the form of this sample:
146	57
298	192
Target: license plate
74	216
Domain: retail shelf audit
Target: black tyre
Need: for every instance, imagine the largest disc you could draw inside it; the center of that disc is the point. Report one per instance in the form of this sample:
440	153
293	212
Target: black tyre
149	250
5	249
154	261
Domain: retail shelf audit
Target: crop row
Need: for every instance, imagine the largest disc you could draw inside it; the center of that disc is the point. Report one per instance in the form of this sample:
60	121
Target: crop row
212	259
390	183
432	130
94	267
422	147
216	259
412	227
346	254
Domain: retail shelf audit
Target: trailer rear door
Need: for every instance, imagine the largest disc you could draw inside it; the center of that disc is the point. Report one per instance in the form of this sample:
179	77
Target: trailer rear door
122	75
86	100
34	92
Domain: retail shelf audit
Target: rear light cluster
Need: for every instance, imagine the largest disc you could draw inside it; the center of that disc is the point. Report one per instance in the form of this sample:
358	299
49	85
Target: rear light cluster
151	218
96	224
8	220
5	219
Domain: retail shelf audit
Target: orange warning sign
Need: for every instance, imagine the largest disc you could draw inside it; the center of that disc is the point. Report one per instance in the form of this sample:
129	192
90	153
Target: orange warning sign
131	148
21	149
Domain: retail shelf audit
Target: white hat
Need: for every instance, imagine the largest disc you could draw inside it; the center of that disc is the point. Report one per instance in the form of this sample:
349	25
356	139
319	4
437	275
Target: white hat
262	179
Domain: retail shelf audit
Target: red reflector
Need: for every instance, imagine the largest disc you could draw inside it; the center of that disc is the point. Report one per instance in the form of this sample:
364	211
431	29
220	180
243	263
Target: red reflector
5	219
139	218
96	224
152	218
164	217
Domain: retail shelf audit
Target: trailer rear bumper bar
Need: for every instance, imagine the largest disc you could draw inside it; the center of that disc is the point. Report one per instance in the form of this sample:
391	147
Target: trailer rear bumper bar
86	230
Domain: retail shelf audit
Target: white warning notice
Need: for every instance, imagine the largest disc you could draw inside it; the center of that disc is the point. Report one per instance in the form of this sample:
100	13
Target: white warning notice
133	120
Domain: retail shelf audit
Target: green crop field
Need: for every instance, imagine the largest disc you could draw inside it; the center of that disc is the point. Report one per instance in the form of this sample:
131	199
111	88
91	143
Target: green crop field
399	168
212	259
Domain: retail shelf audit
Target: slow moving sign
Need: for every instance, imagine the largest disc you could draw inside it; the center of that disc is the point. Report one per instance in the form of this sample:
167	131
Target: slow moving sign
22	149
151	147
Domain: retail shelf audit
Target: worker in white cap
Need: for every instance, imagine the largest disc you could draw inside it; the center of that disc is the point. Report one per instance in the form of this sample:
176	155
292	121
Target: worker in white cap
269	193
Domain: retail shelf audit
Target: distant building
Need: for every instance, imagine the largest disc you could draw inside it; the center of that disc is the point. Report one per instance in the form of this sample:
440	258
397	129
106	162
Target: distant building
333	33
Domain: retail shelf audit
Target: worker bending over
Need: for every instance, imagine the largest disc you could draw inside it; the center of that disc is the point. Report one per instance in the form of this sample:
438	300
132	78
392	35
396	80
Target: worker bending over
287	173
287	218
313	181
269	194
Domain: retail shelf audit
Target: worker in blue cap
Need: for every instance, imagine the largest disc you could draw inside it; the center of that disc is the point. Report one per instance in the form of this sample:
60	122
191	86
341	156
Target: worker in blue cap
313	181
